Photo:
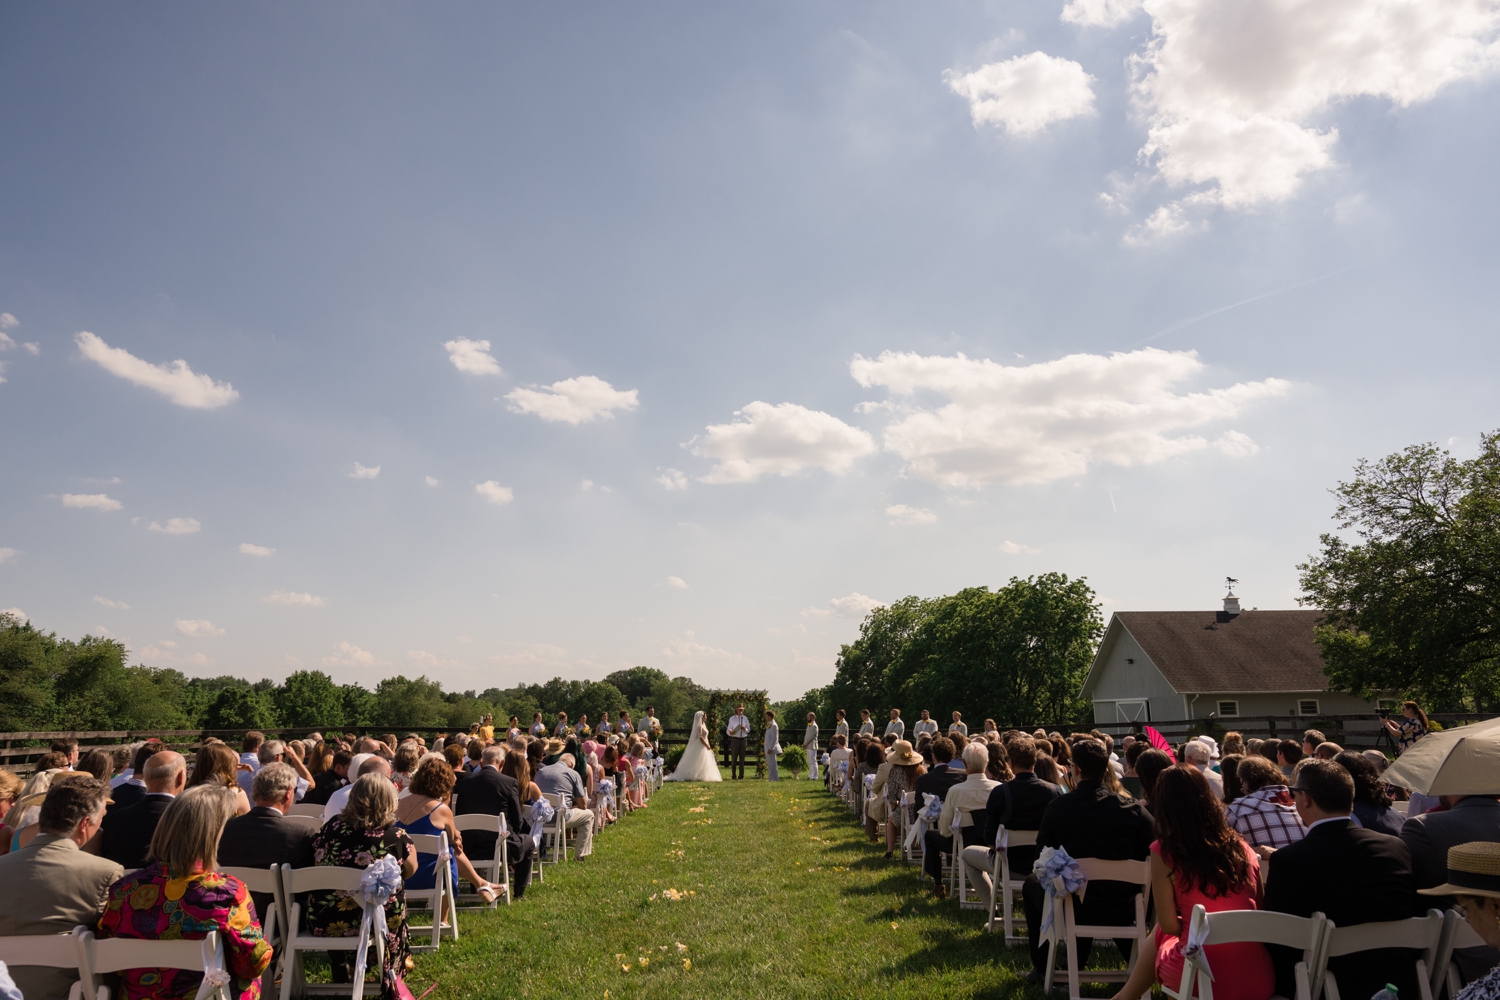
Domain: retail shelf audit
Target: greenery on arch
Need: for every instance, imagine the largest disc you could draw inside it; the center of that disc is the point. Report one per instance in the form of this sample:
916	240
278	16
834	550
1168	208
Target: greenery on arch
716	719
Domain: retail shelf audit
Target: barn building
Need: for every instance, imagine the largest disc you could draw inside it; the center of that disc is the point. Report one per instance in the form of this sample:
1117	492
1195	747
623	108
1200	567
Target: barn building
1168	666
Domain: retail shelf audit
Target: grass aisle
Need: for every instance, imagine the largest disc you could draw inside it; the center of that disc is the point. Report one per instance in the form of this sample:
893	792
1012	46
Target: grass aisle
782	896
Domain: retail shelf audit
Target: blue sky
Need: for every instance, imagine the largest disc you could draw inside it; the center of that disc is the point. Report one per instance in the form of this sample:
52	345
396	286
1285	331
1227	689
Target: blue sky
795	307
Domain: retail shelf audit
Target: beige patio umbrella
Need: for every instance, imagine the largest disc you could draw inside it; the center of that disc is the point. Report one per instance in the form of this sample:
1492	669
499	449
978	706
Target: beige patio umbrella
1464	760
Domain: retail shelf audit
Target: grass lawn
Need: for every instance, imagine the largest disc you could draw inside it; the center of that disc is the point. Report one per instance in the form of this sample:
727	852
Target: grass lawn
784	897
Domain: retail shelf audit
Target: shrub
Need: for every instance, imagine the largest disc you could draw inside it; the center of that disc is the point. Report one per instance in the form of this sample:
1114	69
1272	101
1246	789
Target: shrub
673	758
794	759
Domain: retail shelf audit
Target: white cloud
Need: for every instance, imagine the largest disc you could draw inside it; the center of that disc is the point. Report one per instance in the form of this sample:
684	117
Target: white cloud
32	349
677	583
255	550
855	605
1011	548
198	628
120	605
6	555
779	440
177	382
293	599
90	501
1235	99
346	654
16	613
6	343
902	514
574	400
431	481
177	526
8	322
1025	94
1236	445
472	356
673	480
364	472
1100	13
495	493
1040	422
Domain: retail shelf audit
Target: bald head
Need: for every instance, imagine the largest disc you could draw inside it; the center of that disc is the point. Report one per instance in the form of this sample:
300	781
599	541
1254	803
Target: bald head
375	765
165	772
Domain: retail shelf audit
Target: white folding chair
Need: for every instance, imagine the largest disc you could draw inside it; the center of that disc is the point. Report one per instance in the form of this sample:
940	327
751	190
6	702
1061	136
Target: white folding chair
555	833
323	878
1310	934
903	821
307	809
967	893
313	823
51	951
1066	930
1421	933
497	868
273	925
106	955
1461	936
1003	885
1401	807
440	898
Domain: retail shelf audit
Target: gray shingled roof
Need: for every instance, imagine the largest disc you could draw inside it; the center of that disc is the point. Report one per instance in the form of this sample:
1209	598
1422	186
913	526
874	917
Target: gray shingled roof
1254	651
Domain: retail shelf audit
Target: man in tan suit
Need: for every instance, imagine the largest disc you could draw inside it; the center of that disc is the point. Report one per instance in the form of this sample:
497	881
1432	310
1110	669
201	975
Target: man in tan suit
51	886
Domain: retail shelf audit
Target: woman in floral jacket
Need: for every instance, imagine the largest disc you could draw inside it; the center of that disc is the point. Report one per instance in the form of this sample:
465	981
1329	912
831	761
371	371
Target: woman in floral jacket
362	834
180	896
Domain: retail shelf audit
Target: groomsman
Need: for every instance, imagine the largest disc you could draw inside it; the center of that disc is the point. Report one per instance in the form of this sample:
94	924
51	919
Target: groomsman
738	731
895	727
773	741
926	724
841	725
866	727
810	744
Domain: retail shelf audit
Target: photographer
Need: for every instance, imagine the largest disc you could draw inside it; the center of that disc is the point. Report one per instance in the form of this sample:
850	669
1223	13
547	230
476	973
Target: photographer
1412	727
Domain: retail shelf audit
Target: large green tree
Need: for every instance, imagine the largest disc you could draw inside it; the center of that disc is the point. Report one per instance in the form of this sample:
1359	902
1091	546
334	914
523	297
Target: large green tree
310	698
1018	654
1413	605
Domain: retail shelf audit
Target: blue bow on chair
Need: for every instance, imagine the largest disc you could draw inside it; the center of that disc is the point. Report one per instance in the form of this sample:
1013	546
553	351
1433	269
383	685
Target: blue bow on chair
1059	875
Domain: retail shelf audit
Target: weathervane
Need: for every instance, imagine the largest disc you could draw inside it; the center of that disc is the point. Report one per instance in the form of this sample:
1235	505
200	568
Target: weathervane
1229	583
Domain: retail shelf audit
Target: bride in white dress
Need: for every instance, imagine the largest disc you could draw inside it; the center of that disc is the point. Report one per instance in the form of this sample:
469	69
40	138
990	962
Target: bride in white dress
698	762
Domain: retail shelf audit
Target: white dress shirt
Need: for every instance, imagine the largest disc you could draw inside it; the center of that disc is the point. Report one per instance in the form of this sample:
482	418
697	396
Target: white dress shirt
738	722
924	726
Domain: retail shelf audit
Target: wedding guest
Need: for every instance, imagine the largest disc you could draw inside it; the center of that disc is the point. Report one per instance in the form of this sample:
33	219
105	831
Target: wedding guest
361	765
331	780
216	764
250	757
998	769
1311	740
941	777
1233	743
425	811
1197	859
557	778
98	763
1090	822
906	768
181	894
1473	882
51	886
10	791
264	837
1371	806
1017	804
404	765
488	792
1199	756
1264	814
127	833
519	770
1350	874
1229	770
1288	753
363	833
960	824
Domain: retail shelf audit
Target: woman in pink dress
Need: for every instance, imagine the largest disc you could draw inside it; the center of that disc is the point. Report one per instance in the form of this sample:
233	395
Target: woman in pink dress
1198	858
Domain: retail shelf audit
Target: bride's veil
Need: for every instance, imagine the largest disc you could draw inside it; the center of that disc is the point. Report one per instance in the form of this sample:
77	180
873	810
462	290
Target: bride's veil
697	724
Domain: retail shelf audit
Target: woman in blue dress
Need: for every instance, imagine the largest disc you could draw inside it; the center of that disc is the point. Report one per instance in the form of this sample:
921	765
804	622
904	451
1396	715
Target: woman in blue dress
425	811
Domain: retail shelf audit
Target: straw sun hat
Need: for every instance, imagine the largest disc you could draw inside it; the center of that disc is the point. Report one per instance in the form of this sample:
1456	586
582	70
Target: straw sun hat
902	754
1473	870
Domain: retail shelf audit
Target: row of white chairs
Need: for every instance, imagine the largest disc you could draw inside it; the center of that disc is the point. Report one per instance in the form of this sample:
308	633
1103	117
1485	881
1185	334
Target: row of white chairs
94	958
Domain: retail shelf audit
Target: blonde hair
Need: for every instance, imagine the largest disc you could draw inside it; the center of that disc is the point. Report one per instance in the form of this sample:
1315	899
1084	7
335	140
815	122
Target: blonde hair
29	797
188	834
372	803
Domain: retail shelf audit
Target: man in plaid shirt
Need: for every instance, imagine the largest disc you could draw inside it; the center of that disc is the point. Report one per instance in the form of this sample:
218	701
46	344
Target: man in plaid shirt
1264	815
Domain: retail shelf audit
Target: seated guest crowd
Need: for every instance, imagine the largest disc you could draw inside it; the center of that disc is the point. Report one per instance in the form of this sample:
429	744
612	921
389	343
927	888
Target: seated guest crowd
1294	827
142	853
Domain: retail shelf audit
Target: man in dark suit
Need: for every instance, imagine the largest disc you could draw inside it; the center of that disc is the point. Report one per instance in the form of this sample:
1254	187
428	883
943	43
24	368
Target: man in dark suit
1464	819
263	836
942	777
330	781
1089	822
1351	875
133	789
487	792
1018	804
125	837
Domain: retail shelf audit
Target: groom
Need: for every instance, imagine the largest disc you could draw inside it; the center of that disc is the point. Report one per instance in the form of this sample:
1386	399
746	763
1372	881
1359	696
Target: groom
738	731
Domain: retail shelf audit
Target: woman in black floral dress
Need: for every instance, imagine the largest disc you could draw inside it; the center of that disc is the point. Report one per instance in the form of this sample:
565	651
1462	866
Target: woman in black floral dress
362	834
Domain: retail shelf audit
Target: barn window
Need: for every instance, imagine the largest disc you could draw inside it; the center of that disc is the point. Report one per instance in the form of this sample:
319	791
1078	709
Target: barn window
1308	706
1229	710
